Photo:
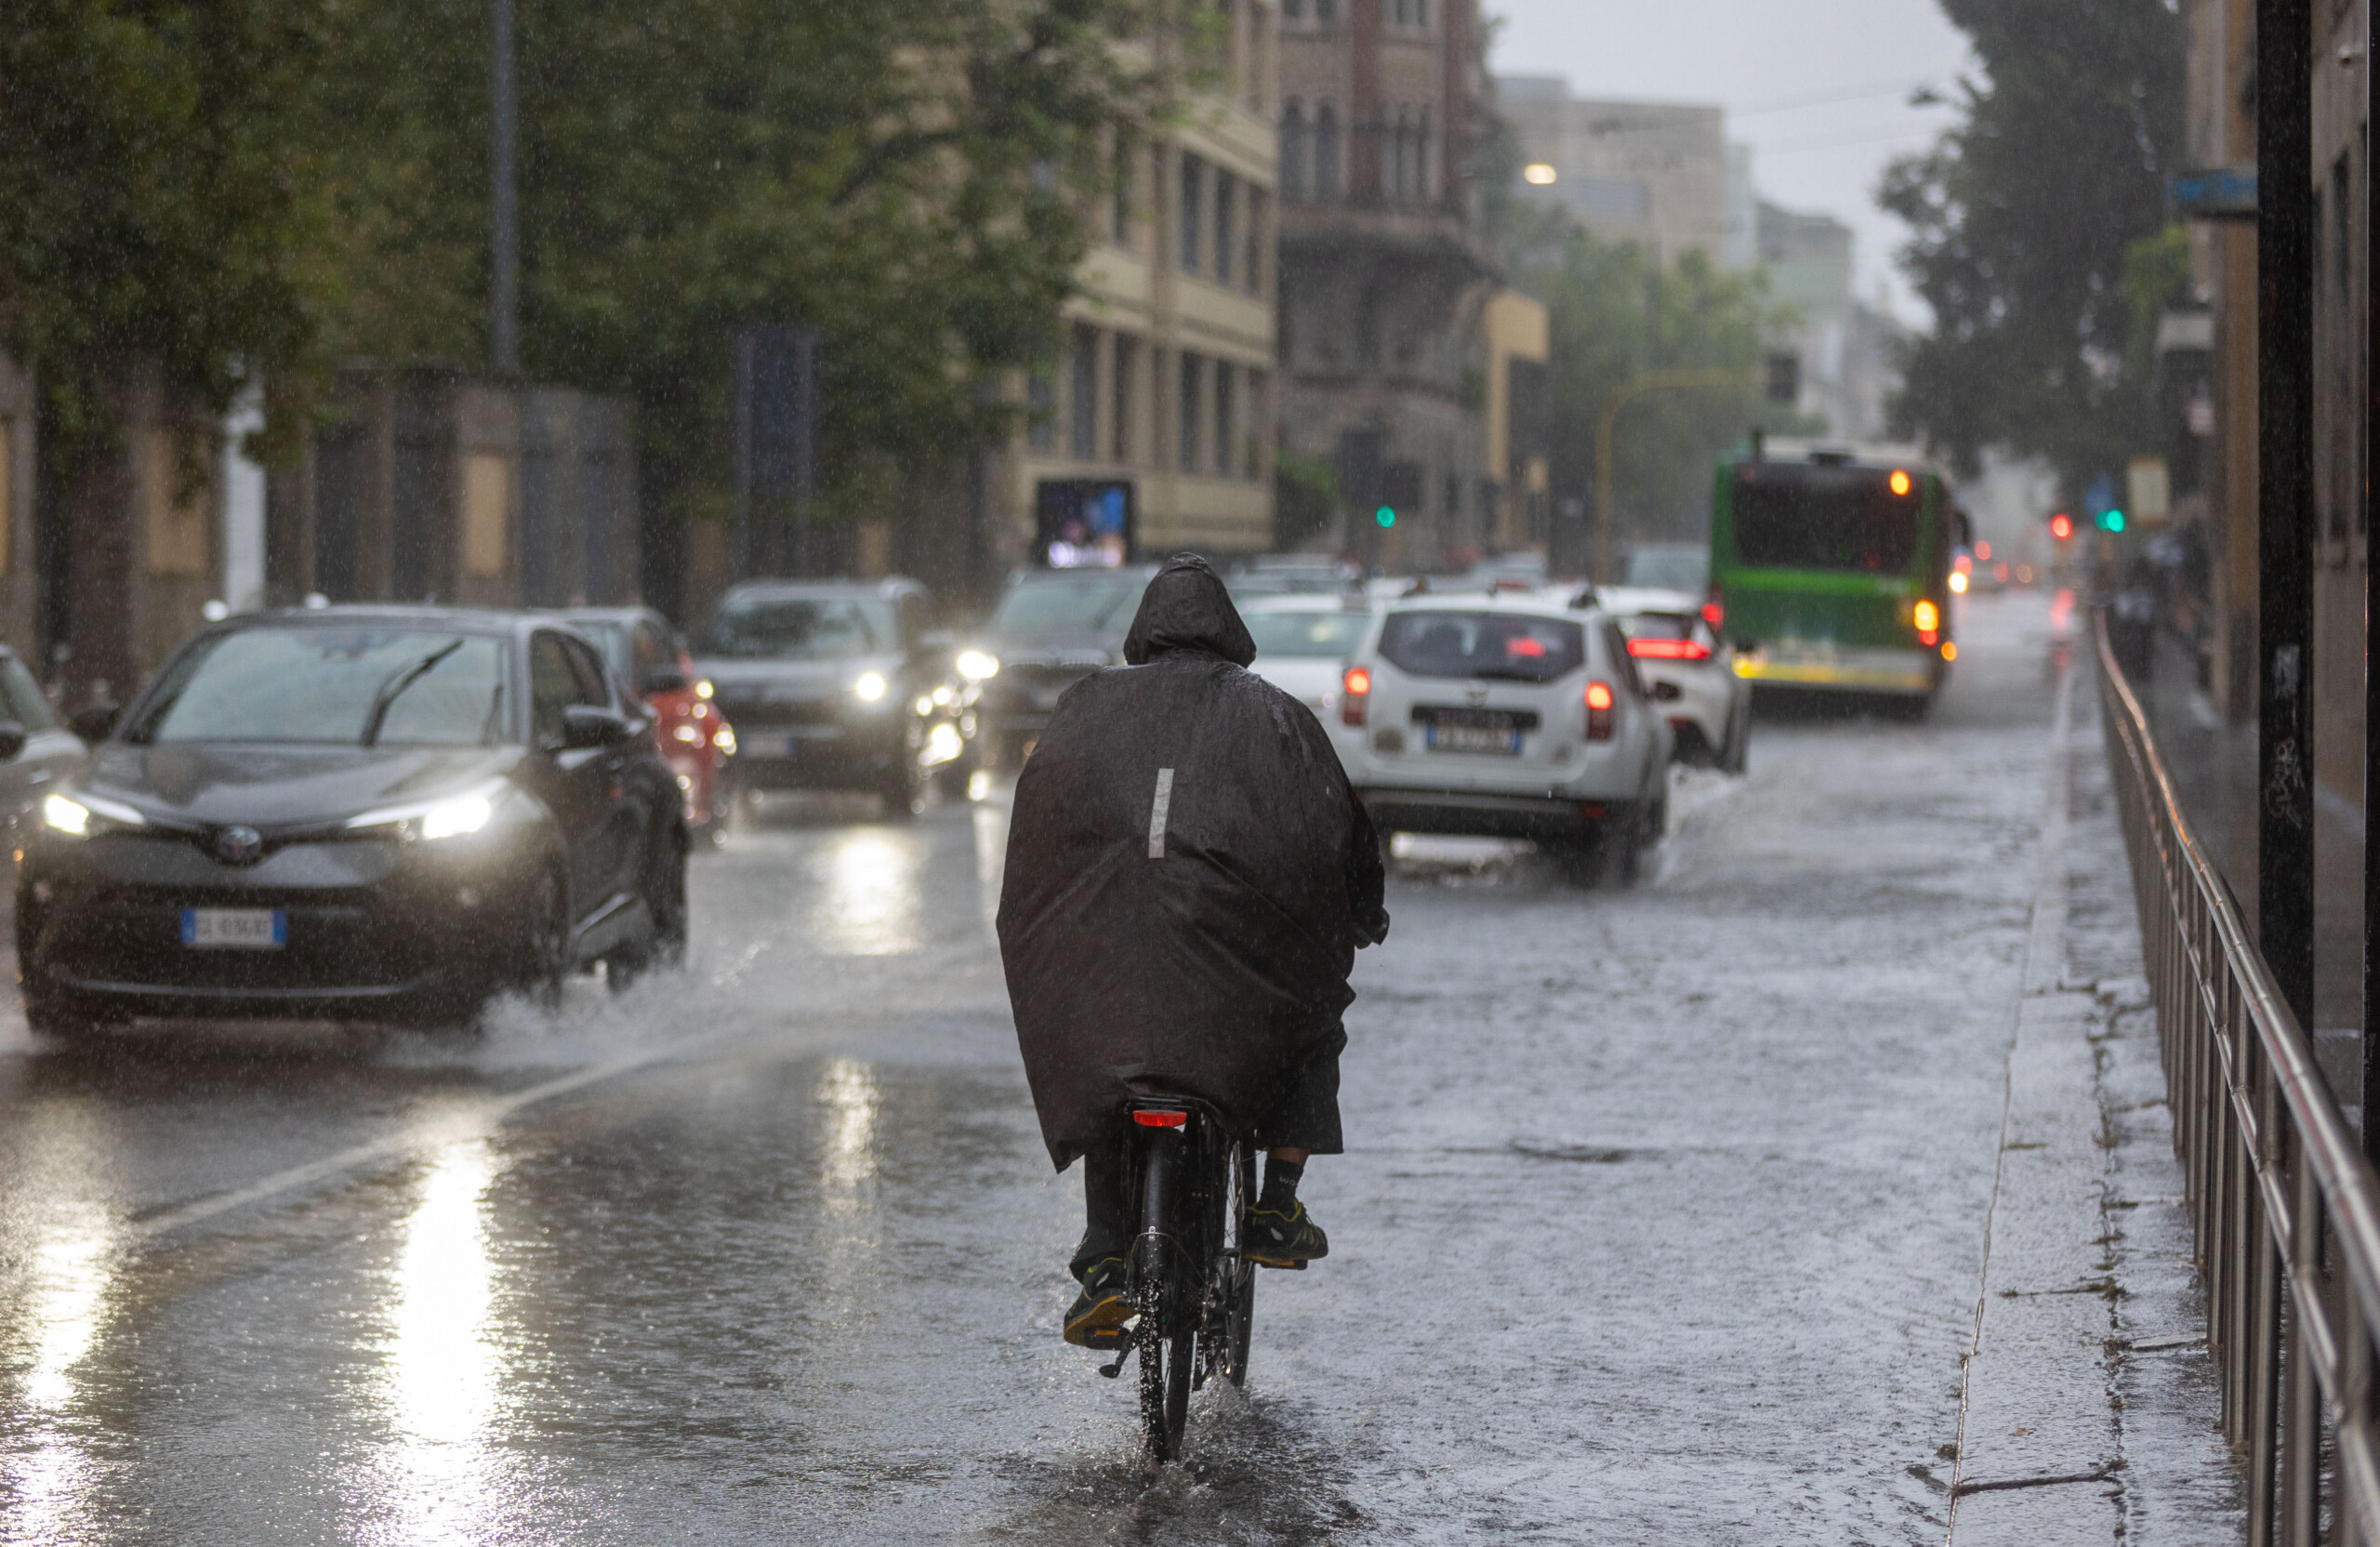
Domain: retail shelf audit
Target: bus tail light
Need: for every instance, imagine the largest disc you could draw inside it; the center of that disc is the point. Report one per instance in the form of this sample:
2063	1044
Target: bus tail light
1356	696
1928	619
1599	717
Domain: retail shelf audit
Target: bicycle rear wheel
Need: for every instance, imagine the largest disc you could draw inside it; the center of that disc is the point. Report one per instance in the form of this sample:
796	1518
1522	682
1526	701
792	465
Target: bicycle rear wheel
1166	1363
1237	1272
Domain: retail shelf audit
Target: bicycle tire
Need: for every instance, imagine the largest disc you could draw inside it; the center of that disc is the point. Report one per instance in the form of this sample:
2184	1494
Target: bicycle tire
1240	1299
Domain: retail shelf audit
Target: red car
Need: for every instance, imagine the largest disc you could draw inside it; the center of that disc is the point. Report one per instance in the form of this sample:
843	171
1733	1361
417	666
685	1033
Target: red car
648	655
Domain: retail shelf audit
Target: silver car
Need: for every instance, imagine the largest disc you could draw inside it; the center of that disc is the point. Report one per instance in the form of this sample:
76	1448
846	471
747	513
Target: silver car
1507	716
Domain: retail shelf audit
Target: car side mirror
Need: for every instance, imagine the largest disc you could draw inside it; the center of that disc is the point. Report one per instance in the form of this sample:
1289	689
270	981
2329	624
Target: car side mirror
586	725
12	740
662	679
95	723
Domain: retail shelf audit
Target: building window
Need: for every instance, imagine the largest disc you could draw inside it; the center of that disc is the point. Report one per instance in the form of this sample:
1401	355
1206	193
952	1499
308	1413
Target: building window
1194	180
1083	410
1253	265
1226	197
1397	138
1226	420
1293	10
1128	363
1042	408
1192	379
1259	414
1421	155
1326	13
1293	153
1325	152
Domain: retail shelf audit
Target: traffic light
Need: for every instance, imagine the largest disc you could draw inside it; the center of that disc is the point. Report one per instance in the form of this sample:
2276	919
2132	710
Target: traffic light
2111	521
2061	526
1385	515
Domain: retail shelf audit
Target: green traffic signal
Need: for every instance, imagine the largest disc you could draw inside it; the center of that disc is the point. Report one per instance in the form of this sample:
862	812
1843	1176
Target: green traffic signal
2111	521
1385	516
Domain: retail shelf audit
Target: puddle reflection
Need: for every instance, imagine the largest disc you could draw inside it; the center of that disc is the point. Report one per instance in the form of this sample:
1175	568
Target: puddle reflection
57	1308
873	896
442	1367
848	1090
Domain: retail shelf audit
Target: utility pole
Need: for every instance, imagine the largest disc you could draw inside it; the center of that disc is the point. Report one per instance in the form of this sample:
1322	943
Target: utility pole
2371	598
504	221
2284	499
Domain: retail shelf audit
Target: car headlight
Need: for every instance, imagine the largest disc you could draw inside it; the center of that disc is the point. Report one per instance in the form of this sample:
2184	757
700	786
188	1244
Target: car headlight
871	687
80	816
977	665
449	816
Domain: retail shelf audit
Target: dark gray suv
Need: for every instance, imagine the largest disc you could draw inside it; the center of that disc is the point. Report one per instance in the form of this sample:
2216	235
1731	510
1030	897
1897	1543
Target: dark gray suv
829	684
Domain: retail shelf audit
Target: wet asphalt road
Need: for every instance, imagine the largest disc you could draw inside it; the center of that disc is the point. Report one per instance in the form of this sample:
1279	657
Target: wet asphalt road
1662	1219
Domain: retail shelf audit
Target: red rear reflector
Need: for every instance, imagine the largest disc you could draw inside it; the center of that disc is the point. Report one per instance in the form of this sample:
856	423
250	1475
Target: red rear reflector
1668	650
1161	1120
1591	810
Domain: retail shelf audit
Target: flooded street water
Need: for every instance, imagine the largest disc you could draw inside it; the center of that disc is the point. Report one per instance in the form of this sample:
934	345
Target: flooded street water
1662	1219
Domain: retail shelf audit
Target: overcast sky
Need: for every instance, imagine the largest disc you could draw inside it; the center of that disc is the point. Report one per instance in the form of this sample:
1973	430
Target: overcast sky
1820	88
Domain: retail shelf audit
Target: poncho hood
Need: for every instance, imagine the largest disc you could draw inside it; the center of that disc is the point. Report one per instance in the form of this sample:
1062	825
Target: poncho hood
1187	608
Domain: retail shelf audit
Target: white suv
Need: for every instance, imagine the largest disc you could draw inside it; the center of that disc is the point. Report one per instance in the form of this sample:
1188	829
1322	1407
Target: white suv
1691	673
1507	716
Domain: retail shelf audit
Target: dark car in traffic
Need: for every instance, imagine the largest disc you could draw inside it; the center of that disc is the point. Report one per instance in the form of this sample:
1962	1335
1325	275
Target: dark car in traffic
1052	628
830	685
364	814
654	663
36	752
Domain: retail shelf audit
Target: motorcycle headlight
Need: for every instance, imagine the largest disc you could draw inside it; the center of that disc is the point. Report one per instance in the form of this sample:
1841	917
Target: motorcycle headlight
977	665
82	815
449	816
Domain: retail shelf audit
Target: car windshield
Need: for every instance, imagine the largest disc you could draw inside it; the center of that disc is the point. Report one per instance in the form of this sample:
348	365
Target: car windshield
331	686
1657	626
1669	569
800	628
1511	646
1313	636
1076	603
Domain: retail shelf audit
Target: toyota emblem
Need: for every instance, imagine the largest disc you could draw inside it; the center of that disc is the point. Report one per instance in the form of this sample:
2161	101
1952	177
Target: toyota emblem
238	845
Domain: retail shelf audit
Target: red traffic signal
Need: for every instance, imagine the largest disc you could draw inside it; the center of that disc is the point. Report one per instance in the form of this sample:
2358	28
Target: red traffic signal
2061	526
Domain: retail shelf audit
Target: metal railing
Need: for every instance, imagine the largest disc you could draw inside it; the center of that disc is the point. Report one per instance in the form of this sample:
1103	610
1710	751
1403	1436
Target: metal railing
2287	1209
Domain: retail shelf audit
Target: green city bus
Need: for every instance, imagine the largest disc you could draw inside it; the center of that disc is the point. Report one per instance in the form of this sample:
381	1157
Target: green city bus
1830	569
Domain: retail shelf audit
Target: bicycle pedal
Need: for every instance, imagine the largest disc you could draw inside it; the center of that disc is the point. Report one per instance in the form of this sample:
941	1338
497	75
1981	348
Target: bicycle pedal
1111	1371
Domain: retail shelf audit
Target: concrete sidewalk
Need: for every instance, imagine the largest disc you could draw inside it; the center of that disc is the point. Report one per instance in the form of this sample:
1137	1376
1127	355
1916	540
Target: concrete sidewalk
2089	1411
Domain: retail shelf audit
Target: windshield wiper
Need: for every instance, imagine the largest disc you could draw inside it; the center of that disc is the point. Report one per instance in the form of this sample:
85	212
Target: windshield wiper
395	684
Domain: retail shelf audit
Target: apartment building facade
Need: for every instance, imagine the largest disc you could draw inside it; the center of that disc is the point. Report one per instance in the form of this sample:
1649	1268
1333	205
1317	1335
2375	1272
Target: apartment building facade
1151	431
1384	274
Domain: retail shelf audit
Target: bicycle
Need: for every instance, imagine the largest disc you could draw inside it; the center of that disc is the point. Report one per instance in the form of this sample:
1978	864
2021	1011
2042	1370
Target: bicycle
1194	1290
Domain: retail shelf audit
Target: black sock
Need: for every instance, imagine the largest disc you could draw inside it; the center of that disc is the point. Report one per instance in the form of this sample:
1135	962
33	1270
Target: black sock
1281	1178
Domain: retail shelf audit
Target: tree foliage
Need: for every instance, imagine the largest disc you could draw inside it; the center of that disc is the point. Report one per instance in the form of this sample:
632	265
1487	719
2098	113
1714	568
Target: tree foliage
1617	316
245	189
2026	216
160	200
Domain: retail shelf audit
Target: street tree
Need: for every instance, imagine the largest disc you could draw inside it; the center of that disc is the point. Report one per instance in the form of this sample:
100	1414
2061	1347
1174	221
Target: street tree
912	177
1618	315
2029	219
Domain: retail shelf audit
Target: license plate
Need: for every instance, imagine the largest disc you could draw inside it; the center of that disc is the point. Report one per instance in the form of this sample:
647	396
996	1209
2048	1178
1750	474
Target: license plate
236	928
1471	738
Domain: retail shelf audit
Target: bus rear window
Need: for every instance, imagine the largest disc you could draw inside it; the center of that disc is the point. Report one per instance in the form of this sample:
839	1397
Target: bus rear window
1511	647
1824	518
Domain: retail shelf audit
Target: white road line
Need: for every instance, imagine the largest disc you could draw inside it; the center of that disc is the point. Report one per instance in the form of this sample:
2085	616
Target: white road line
479	1120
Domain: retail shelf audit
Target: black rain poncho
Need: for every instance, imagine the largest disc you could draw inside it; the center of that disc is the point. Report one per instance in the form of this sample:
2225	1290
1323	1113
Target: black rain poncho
1189	877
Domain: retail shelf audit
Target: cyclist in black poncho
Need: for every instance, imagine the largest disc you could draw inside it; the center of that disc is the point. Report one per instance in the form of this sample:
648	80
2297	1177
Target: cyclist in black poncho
1189	877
